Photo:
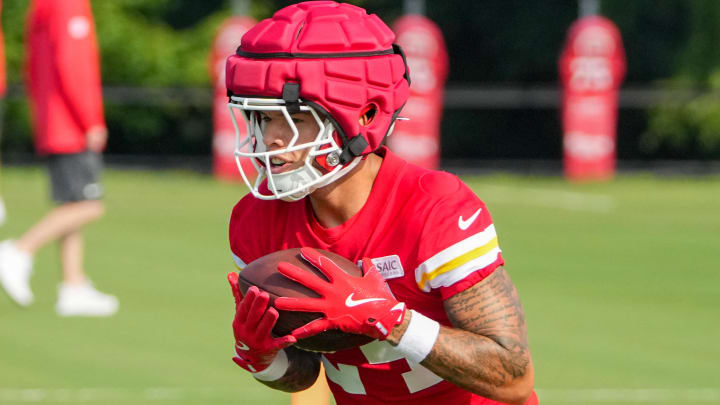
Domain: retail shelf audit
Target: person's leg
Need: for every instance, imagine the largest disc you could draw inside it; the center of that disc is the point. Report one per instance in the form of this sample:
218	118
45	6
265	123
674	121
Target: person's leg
77	180
61	221
76	295
71	255
75	187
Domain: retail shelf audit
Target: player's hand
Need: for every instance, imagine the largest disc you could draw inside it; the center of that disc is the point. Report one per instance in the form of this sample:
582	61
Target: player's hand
255	348
360	305
96	138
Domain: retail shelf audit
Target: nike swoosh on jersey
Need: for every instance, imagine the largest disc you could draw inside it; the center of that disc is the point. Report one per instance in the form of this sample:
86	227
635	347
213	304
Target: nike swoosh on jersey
242	346
350	302
465	224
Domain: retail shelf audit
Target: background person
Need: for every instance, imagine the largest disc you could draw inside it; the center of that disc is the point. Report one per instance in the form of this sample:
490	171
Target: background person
63	78
451	328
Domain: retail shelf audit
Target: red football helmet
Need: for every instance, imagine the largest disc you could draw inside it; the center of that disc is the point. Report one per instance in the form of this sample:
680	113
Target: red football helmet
332	60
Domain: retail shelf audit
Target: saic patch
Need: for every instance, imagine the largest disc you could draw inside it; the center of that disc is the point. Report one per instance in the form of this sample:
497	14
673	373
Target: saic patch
389	266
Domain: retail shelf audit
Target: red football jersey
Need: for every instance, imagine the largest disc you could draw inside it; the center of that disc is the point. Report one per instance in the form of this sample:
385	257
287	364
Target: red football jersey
63	74
429	236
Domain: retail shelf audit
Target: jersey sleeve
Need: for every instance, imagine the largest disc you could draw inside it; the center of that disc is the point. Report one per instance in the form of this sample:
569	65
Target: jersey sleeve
75	51
459	246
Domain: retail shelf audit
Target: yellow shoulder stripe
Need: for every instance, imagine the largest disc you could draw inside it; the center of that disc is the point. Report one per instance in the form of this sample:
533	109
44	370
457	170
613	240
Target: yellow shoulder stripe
458	261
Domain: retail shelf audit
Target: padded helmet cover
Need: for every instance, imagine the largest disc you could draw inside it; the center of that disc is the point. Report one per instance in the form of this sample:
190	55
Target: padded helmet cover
342	58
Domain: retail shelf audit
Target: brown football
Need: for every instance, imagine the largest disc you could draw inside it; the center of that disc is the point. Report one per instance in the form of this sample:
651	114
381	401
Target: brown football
263	273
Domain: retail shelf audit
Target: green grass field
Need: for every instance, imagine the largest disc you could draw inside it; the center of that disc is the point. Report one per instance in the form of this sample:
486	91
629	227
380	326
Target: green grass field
620	284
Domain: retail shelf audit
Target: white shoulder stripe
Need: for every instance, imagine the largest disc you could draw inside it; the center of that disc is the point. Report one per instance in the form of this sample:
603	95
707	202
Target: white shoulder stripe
451	264
239	263
459	273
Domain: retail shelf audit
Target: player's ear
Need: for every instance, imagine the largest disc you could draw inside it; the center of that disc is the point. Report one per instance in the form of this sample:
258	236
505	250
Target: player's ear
368	115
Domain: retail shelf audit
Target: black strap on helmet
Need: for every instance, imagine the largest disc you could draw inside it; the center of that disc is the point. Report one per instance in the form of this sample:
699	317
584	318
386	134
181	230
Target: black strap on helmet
353	148
291	95
398	50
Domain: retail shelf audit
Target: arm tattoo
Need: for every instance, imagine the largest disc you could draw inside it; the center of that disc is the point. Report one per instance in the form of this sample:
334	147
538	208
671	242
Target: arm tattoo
489	341
301	374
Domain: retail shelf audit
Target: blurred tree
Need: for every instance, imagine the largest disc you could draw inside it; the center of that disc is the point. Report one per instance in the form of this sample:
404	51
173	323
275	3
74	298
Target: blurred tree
654	33
154	43
148	42
682	36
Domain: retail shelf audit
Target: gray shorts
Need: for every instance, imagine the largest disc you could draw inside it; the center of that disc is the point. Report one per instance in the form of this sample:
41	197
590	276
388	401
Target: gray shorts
75	176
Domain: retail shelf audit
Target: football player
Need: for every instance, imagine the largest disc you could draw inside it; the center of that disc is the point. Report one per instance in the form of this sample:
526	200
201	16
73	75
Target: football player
320	86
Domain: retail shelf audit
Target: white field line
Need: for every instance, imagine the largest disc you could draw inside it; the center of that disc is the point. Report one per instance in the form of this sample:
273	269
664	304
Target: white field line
73	395
576	396
604	395
568	200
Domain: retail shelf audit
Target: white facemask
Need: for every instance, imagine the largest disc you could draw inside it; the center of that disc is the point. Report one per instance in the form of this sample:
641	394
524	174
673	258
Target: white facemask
292	185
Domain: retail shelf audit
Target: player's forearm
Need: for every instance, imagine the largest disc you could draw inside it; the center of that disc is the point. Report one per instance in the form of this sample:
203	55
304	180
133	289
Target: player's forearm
302	372
486	350
500	370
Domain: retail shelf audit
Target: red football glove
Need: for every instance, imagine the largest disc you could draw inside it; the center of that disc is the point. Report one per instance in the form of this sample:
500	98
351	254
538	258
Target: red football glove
360	305
255	348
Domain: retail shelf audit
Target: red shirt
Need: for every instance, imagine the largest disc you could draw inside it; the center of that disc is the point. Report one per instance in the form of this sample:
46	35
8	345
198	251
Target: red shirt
429	236
63	74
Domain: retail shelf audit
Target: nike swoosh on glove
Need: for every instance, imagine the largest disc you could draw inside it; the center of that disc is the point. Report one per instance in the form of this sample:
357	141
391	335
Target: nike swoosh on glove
360	305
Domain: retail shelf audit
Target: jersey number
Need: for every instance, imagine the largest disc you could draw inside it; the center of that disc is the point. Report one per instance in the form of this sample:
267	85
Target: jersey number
348	377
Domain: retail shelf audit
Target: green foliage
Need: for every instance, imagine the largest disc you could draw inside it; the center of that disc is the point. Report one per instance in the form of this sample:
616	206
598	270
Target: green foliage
686	129
691	60
159	130
138	49
142	42
158	43
654	34
16	127
13	25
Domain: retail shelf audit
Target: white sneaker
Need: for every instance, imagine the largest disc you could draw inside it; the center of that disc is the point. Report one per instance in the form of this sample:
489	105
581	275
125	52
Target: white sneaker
15	271
84	300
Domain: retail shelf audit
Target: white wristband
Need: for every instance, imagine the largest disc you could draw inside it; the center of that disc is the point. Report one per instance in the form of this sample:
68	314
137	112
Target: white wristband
419	338
275	370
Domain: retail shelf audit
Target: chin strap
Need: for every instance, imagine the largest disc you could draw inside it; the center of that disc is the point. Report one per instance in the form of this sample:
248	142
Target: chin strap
331	177
354	148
